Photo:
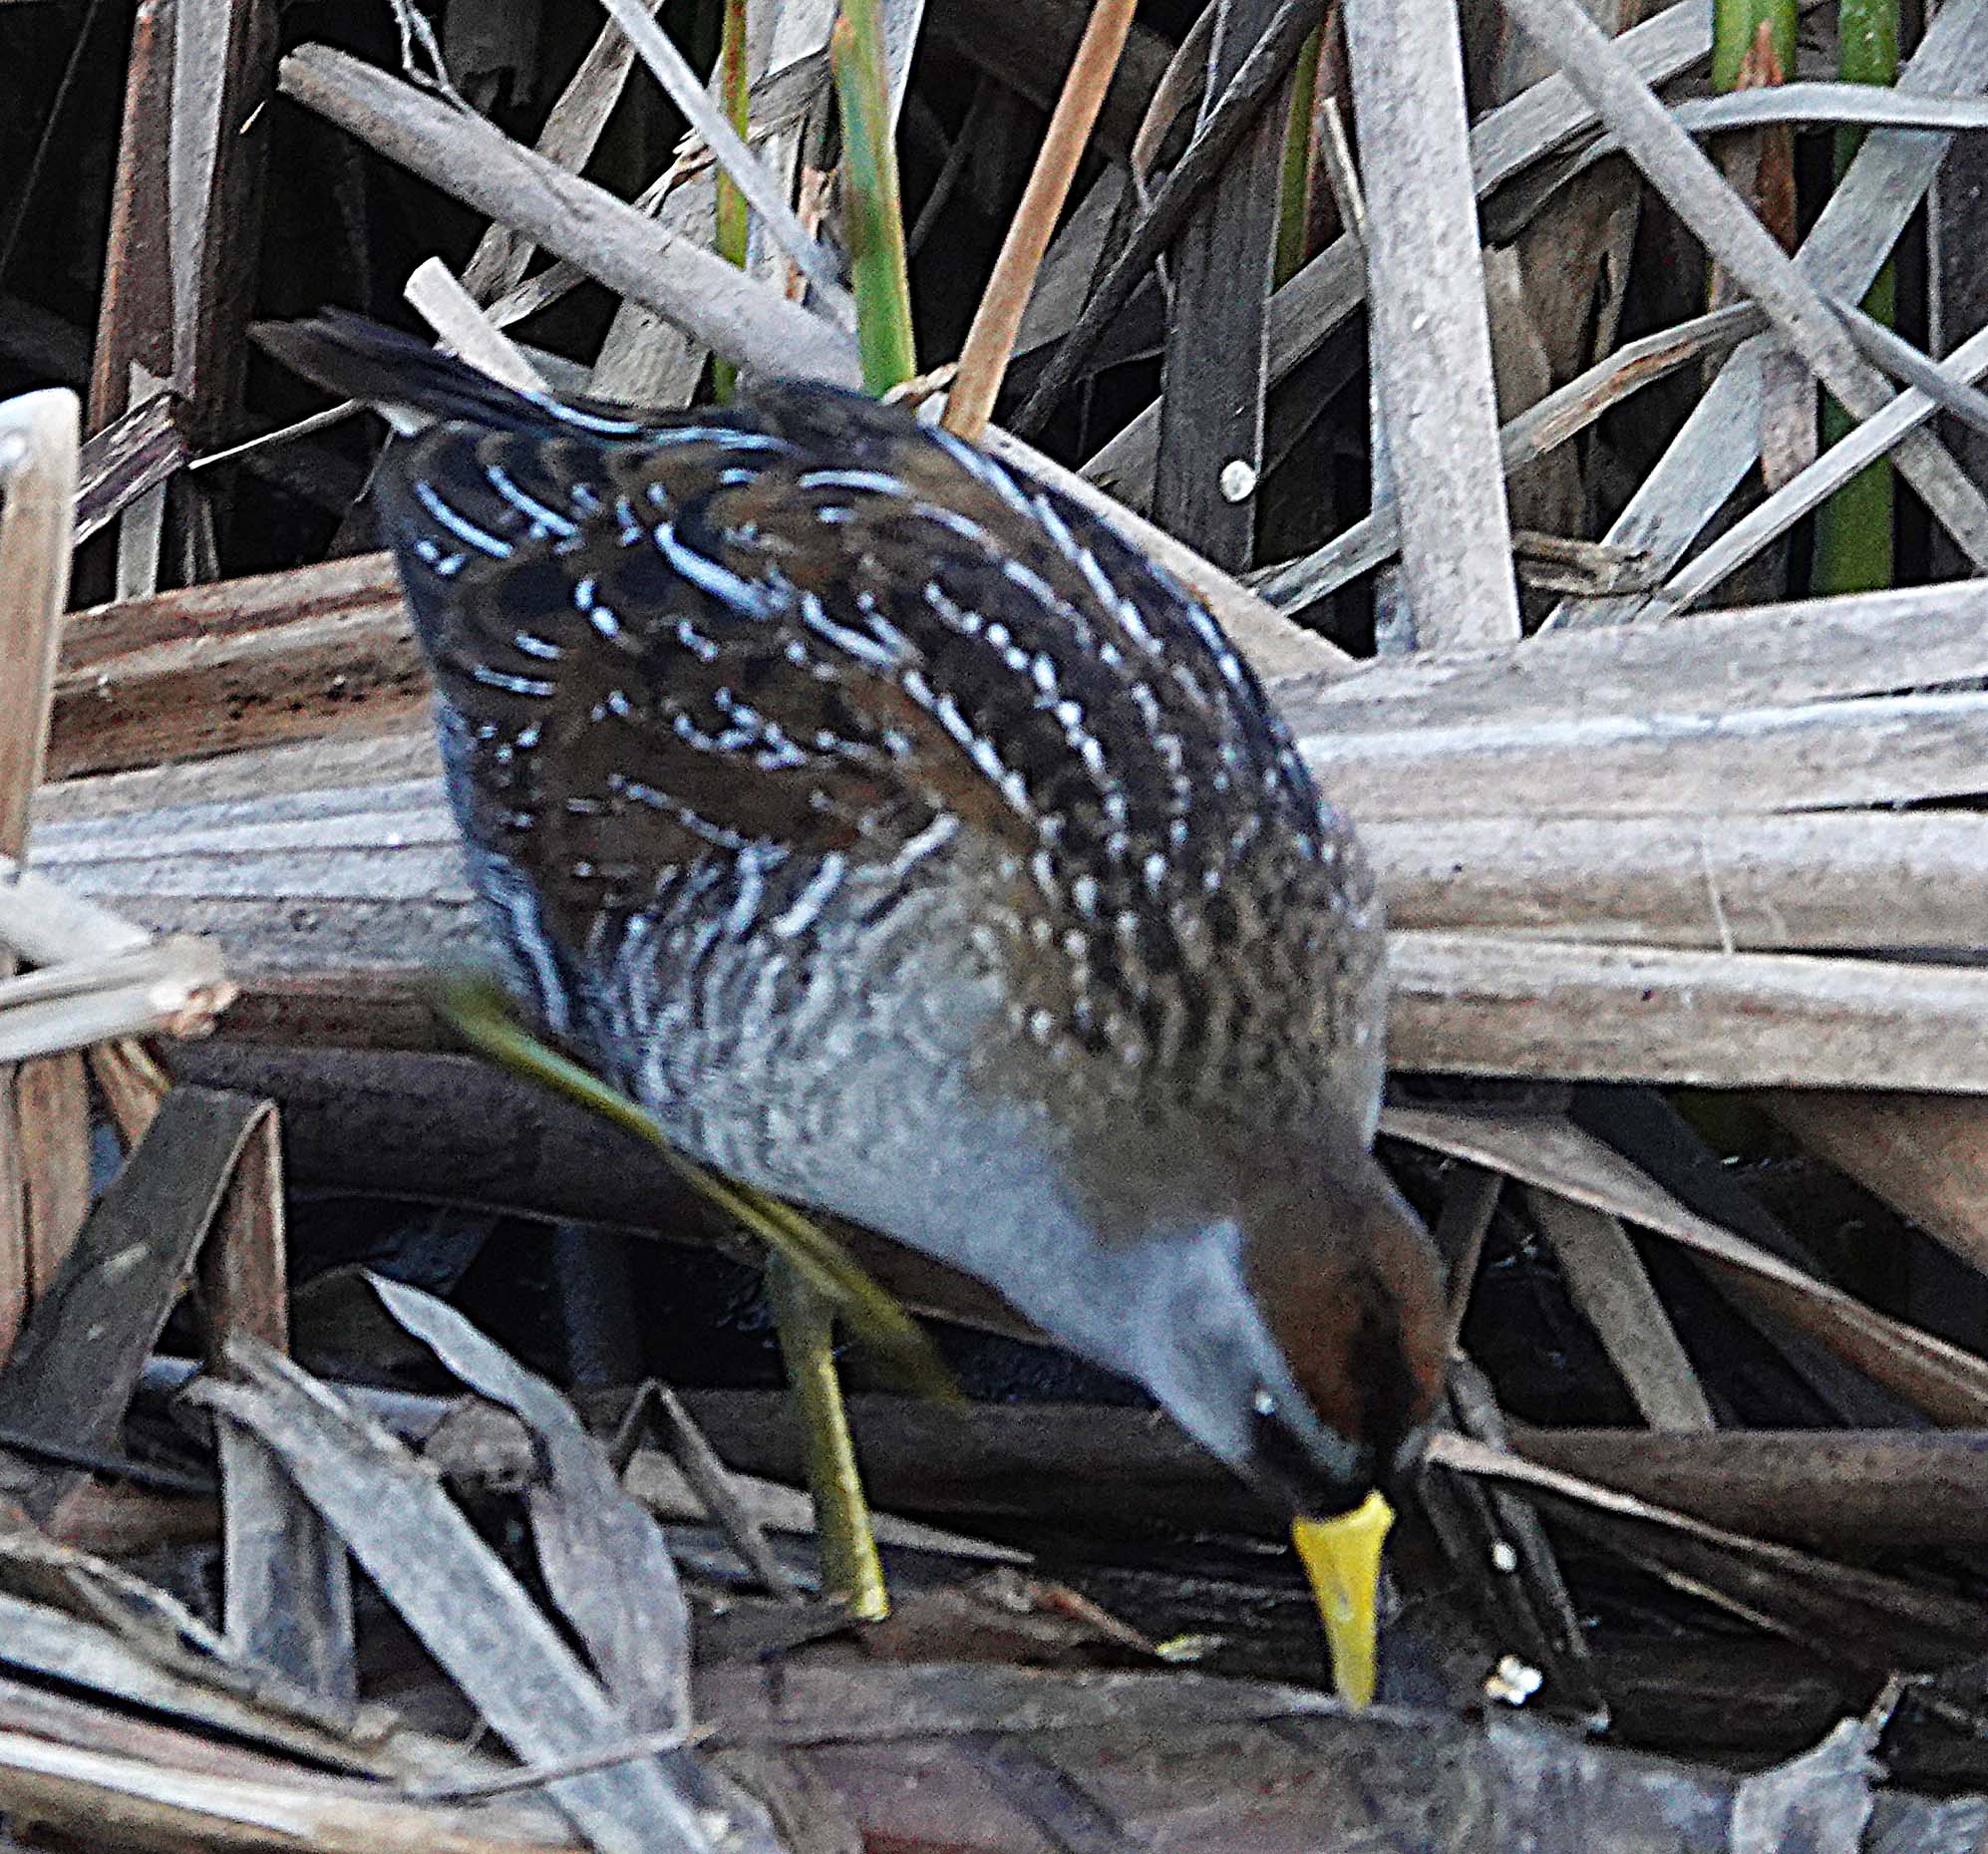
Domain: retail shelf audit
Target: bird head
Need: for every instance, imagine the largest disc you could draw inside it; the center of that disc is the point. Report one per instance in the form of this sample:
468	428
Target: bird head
1298	1334
1360	1322
1349	1290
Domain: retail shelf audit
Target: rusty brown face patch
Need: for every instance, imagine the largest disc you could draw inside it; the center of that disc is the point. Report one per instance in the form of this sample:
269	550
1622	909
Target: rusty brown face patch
1349	1288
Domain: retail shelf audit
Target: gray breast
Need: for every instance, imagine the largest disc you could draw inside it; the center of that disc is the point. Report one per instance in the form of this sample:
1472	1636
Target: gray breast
802	1024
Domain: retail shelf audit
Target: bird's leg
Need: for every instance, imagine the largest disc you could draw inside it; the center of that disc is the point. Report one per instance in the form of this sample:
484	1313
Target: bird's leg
482	1013
810	1274
850	1567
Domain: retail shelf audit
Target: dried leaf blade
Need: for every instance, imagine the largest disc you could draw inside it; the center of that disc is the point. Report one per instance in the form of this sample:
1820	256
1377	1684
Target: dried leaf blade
468	1610
603	1554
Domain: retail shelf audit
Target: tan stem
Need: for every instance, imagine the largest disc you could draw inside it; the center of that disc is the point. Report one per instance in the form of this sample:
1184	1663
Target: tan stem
984	359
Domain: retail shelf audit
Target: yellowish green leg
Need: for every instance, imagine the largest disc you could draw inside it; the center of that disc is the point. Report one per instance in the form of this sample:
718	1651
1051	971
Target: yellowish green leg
850	1567
813	1276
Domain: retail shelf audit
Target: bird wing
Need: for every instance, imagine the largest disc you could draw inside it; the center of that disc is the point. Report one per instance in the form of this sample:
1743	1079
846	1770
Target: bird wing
804	625
638	676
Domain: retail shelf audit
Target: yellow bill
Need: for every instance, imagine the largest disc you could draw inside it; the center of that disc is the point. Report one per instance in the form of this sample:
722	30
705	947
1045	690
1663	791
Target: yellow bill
1342	1557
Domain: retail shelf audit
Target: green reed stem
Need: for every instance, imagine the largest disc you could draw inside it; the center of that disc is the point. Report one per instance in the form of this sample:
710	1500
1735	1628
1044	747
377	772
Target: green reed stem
735	219
1854	546
1294	185
1736	25
874	209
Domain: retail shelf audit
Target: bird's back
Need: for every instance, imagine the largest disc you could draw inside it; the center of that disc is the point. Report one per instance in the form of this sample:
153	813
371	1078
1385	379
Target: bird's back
806	756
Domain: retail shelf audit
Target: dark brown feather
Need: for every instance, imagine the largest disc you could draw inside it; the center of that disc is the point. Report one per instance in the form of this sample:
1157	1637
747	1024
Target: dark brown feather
838	787
816	626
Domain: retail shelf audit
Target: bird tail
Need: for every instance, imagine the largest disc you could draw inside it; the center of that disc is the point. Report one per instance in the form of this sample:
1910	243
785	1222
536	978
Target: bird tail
415	386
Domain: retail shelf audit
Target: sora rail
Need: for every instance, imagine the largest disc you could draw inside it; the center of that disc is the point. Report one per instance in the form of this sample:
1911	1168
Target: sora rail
914	849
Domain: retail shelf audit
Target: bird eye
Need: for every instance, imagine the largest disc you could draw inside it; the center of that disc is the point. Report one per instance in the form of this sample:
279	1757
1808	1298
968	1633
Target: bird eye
1285	1460
1276	1450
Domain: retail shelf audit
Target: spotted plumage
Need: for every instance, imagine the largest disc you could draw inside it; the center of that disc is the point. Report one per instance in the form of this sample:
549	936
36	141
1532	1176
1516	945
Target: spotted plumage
912	846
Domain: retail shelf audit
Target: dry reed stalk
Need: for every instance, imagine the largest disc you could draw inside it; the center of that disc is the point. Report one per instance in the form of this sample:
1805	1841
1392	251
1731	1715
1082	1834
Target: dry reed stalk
983	359
39	452
723	307
1431	337
45	925
472	160
447	306
176	987
762	194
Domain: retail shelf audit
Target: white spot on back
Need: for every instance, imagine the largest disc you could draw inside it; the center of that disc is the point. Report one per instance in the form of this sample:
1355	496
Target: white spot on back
806	906
459	524
543	520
